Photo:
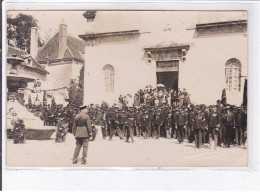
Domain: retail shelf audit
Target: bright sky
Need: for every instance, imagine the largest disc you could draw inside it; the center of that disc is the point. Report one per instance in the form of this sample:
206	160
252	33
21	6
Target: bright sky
108	21
49	21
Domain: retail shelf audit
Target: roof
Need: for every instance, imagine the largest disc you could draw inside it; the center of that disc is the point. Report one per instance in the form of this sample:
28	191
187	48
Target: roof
50	50
21	54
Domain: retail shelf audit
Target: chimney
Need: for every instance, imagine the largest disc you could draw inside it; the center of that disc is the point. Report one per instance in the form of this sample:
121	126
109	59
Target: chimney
62	40
34	42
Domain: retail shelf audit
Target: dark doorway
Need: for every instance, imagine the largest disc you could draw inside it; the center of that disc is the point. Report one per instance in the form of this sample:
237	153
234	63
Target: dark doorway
168	79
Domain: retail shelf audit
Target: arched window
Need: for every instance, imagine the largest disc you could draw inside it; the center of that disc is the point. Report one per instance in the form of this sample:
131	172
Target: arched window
109	78
233	75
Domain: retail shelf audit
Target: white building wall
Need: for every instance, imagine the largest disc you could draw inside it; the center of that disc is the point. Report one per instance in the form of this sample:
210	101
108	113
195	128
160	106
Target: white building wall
76	67
131	71
202	73
204	69
59	75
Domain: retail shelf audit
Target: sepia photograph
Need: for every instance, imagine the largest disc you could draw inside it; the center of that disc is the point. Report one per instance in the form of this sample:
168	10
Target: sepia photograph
140	89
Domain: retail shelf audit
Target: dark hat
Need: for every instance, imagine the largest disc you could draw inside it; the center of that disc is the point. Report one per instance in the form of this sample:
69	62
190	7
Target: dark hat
82	107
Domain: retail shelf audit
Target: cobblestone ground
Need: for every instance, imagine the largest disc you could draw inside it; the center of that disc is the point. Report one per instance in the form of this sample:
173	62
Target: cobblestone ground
118	153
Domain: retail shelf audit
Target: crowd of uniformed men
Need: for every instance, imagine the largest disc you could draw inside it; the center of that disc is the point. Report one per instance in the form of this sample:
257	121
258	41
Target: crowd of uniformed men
156	113
172	117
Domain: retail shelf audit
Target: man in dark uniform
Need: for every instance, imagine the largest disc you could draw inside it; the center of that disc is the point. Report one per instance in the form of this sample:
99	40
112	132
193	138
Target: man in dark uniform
213	127
145	123
82	131
157	122
244	127
221	113
230	122
108	118
121	121
168	126
190	132
150	113
130	125
114	125
138	122
238	126
181	122
199	123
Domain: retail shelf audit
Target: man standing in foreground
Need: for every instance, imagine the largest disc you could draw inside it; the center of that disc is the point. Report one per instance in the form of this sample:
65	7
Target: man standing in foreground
82	131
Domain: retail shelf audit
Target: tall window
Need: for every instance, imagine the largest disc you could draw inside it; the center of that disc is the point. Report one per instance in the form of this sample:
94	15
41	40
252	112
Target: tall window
233	75
109	78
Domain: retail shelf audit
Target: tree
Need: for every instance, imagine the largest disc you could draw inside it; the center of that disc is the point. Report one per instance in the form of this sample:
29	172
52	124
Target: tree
53	103
76	91
19	31
81	78
44	100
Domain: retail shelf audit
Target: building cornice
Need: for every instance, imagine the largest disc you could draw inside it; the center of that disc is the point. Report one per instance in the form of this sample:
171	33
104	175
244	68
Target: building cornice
108	34
167	48
217	24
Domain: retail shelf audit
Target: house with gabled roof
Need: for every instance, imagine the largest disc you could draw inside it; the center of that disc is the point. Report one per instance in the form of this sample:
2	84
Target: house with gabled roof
62	56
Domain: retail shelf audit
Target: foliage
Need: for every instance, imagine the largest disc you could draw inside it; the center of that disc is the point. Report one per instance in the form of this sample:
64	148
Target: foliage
19	31
76	92
44	100
53	103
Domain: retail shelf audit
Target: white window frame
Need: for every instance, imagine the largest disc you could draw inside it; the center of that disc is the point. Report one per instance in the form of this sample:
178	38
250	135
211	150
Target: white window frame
109	78
233	79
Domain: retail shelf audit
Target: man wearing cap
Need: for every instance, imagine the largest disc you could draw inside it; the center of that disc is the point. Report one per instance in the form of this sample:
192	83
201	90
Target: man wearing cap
122	121
168	126
230	125
181	122
138	118
114	125
130	125
190	132
145	123
199	123
238	125
214	126
157	122
82	131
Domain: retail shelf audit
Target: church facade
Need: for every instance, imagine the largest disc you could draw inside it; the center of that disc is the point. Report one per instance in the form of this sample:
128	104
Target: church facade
204	55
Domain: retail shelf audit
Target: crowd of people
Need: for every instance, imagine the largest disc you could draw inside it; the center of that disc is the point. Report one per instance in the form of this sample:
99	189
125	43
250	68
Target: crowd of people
155	113
170	114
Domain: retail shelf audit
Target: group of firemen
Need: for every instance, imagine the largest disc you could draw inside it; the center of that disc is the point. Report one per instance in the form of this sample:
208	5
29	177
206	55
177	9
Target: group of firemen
218	125
174	116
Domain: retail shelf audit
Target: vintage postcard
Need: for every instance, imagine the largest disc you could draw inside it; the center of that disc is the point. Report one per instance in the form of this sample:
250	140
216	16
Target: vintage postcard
135	89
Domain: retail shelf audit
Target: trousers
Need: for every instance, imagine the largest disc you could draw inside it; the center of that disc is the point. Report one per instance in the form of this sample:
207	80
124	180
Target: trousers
180	133
81	141
213	135
156	132
129	133
112	132
198	138
239	135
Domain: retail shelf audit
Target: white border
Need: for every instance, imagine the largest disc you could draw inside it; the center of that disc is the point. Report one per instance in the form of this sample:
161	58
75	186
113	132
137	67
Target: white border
178	179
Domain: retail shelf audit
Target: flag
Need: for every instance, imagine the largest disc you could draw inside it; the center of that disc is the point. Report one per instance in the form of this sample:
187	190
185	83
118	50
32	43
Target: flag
224	97
245	96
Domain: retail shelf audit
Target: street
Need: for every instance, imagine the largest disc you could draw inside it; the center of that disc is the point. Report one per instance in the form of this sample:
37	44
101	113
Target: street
118	153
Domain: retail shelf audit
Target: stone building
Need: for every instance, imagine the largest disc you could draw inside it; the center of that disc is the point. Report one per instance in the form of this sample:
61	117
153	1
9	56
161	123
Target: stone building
62	56
203	52
28	68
